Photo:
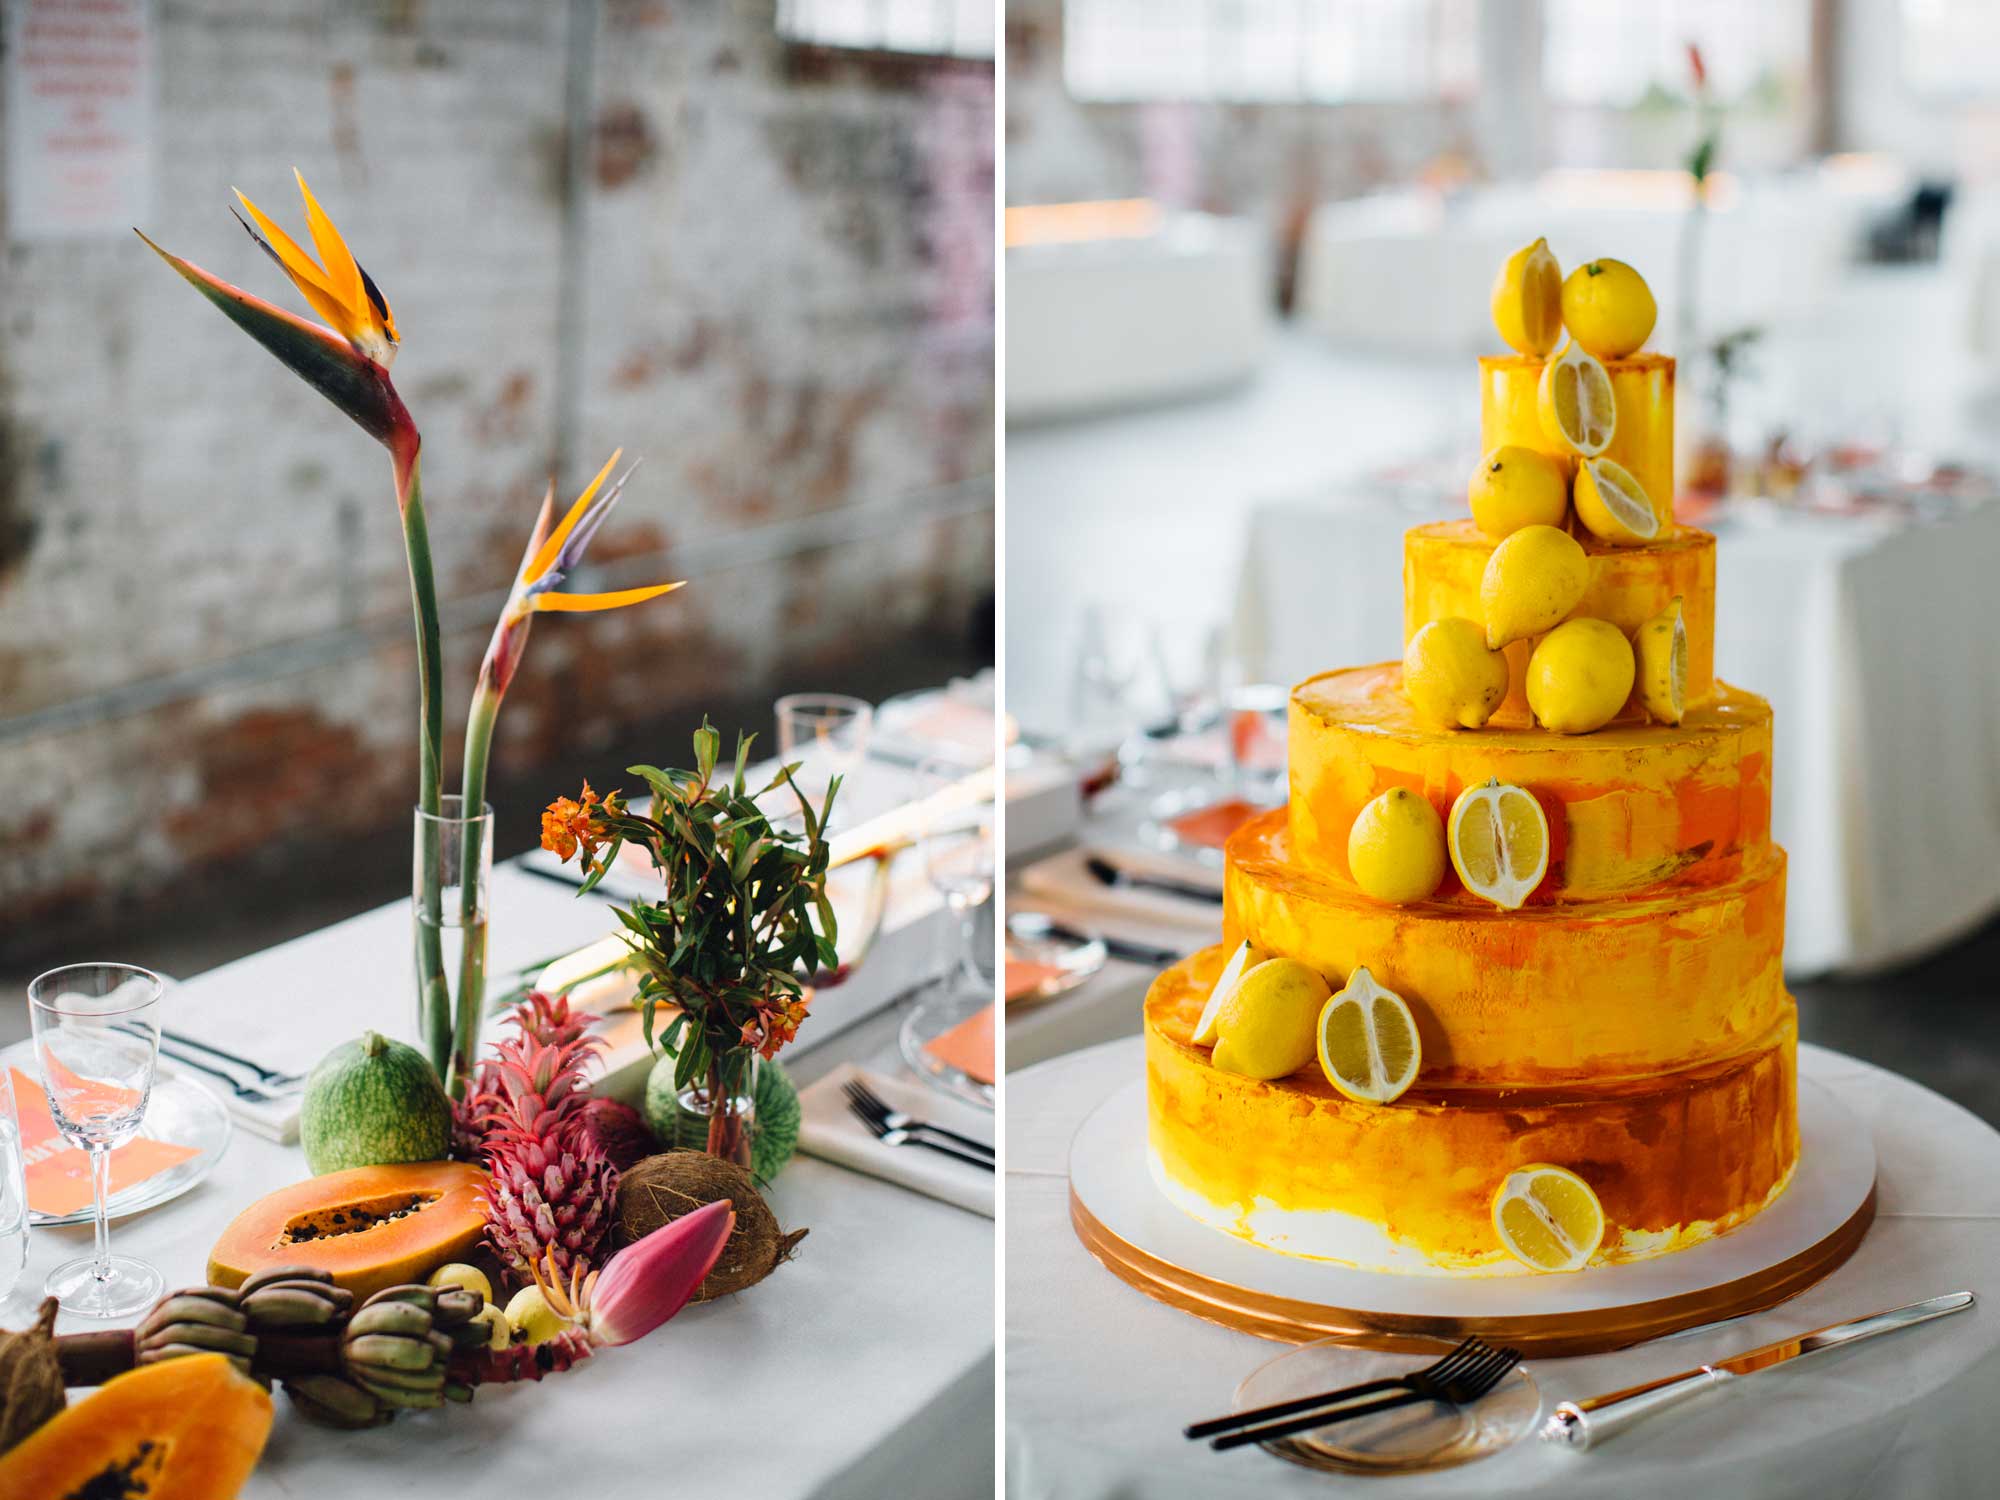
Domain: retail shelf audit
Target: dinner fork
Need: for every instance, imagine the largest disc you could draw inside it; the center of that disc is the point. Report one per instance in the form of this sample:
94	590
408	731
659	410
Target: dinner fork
891	1135
1457	1379
866	1101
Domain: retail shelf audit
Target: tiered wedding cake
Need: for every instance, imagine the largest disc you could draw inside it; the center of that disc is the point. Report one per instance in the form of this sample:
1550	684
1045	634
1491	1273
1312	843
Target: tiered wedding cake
1602	1066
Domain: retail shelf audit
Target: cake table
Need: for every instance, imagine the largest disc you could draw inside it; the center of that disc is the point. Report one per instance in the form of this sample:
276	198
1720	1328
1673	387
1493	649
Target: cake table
1100	1378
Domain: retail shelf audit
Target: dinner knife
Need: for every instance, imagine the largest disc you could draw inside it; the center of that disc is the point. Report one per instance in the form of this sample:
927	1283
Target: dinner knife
1106	873
1583	1424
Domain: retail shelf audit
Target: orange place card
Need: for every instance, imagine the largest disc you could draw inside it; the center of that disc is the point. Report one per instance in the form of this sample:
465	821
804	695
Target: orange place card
968	1046
1024	977
1211	826
59	1173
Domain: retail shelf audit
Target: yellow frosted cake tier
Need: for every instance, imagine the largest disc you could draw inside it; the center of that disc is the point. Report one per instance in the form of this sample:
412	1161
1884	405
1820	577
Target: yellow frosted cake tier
1629	807
1577	992
1444	562
1408	1187
1642	441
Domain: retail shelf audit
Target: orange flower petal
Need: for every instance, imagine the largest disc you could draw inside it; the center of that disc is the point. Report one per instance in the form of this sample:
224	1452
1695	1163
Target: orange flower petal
540	534
343	276
583	603
553	546
305	273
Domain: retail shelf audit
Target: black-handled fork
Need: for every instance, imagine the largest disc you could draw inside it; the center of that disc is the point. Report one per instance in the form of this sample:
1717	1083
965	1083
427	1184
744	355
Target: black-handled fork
1457	1379
876	1111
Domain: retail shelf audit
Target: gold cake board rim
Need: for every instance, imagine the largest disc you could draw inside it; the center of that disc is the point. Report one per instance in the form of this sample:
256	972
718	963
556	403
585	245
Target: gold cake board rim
1543	1336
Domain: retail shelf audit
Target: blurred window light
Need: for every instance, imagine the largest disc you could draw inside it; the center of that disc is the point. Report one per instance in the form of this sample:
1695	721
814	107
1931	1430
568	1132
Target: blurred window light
1628	54
929	28
1271	51
1951	48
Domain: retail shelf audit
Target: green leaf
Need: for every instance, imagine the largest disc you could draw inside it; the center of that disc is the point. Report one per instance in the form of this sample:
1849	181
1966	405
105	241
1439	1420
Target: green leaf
707	746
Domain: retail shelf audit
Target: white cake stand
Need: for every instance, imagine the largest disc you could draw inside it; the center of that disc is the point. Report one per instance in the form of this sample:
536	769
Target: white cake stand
1124	1221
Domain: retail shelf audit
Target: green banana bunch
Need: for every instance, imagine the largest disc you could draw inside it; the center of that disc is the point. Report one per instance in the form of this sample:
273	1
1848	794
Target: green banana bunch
399	1342
293	1298
334	1402
196	1320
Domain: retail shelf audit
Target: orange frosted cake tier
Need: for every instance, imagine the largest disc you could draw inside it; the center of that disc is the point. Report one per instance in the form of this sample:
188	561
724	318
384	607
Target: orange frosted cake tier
1642	386
1444	562
1674	1158
1629	807
1585	992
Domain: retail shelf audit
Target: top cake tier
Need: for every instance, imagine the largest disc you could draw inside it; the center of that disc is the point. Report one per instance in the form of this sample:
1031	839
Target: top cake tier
1642	385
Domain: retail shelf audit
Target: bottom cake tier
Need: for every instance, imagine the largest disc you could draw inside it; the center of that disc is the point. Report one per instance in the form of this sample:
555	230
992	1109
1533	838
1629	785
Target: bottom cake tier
1408	1187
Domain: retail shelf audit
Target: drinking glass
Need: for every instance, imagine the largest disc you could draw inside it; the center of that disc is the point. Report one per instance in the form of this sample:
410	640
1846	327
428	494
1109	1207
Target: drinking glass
97	1038
955	838
13	1189
827	731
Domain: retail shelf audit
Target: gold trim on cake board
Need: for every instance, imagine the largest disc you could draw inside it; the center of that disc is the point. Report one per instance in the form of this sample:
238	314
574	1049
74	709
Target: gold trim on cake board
1546	1336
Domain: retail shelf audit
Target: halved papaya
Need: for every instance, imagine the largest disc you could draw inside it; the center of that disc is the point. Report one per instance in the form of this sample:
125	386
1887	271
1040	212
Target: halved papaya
185	1429
369	1227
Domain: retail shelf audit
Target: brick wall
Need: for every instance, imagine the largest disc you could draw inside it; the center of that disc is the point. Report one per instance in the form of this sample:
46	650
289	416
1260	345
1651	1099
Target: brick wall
647	224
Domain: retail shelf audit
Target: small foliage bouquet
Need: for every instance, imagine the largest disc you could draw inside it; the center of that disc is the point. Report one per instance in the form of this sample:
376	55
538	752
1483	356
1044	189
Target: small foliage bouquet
744	926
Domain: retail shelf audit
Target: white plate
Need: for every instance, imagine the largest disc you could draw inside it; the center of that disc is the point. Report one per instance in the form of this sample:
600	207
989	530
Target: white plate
181	1111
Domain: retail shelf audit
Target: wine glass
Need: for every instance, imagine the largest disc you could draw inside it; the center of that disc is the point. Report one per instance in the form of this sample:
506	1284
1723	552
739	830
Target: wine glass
97	1038
955	839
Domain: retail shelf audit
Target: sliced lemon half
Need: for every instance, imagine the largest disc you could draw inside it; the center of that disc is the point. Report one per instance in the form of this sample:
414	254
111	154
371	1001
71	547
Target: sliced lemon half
1613	504
1548	1218
1499	841
1575	402
1527	300
1368	1045
1246	957
1661	645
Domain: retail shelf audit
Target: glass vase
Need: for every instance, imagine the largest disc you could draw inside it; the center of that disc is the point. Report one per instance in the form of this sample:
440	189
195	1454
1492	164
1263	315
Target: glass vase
451	870
719	1120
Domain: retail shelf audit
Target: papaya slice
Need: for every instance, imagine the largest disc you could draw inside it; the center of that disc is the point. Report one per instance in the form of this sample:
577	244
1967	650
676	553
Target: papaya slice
184	1429
368	1227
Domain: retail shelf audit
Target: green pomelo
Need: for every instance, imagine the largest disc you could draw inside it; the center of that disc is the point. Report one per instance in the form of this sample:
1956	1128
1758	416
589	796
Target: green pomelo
773	1139
371	1103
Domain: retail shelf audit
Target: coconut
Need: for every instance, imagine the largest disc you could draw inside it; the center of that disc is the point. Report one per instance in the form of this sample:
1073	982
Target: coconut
31	1379
660	1189
619	1130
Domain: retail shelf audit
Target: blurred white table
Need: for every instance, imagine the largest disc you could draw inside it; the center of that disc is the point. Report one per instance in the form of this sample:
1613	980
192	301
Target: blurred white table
1100	1378
1872	640
863	1368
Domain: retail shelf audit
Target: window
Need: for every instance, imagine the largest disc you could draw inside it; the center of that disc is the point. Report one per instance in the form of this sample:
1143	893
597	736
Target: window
1621	54
935	28
1271	51
1951	48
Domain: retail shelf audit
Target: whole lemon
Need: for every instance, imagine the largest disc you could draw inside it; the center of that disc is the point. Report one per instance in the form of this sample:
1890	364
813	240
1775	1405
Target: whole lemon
1395	849
1270	1026
1608	308
1580	676
1533	580
1452	678
1527	300
1515	487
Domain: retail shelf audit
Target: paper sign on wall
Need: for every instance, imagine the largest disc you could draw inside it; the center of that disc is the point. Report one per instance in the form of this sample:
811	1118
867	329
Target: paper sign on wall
79	117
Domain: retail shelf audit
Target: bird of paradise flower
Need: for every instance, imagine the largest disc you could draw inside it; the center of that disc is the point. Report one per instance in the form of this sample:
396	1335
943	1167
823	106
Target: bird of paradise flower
347	358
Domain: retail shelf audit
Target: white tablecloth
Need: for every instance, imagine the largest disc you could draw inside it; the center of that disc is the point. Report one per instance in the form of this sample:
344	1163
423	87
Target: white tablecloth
863	1368
1100	1378
1873	642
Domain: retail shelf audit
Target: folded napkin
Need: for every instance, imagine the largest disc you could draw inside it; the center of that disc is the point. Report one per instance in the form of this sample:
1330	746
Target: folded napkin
1063	886
831	1132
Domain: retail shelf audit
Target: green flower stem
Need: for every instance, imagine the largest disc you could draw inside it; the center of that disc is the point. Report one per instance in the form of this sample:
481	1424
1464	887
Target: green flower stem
479	723
434	1003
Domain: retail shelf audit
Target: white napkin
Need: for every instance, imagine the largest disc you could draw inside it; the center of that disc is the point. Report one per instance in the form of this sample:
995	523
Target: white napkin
1140	913
831	1132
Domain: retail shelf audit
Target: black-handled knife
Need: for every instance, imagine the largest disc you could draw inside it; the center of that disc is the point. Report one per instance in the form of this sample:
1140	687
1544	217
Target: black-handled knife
1106	873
